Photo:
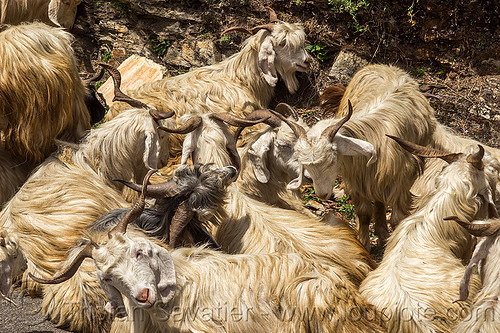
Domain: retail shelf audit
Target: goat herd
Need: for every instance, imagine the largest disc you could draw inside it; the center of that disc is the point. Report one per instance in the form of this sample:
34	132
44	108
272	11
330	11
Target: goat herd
225	244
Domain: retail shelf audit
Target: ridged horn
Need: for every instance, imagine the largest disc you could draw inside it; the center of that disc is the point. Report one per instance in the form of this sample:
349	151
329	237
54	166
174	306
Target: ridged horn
270	119
298	130
190	125
287	111
476	159
180	220
233	120
330	131
426	151
157	191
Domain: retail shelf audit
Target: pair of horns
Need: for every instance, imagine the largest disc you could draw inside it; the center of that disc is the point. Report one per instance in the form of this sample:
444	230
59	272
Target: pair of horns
476	159
86	251
270	118
120	96
478	228
273	18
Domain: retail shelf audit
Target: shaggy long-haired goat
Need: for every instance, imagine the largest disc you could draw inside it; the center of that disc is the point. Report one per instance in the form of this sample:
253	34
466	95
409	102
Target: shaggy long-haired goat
55	12
384	99
418	279
41	93
278	292
484	312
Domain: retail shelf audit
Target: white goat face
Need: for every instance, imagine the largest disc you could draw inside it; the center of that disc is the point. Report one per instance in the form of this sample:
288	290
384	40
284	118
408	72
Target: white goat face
140	270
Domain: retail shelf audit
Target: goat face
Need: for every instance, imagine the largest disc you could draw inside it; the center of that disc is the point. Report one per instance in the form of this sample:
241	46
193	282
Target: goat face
140	270
12	264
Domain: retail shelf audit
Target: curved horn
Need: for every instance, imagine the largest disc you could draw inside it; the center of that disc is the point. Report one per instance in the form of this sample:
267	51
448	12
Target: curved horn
88	82
272	15
189	126
476	159
158	115
180	220
234	120
239	29
136	210
85	252
287	111
298	130
119	95
158	191
478	228
330	131
426	151
270	119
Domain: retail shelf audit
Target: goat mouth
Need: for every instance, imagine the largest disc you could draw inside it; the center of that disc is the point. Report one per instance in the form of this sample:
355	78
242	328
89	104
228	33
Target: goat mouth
303	67
145	301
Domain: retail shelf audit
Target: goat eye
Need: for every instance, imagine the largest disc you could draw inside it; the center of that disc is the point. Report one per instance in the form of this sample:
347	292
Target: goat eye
106	279
138	255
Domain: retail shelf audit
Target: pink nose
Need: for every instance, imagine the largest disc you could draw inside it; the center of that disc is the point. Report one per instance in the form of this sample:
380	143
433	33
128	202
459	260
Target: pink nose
144	296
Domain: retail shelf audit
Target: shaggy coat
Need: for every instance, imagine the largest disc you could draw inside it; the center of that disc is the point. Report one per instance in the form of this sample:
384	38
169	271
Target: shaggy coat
13	173
385	100
419	277
41	93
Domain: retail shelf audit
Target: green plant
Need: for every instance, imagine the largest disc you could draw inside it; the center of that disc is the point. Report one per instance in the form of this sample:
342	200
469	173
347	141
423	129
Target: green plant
352	7
411	14
159	45
419	72
319	51
225	39
122	8
181	71
309	194
346	208
98	84
106	56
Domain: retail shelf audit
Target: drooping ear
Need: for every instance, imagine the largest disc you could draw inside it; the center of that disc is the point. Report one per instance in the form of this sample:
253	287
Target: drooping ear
257	155
296	183
188	147
267	55
167	282
352	147
115	304
63	13
151	150
488	198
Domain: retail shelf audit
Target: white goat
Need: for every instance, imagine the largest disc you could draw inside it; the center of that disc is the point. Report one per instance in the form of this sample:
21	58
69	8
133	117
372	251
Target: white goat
418	279
386	100
486	305
36	109
56	12
13	173
164	289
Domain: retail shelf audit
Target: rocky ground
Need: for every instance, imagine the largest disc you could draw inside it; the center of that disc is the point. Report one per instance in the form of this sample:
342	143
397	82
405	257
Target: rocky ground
451	48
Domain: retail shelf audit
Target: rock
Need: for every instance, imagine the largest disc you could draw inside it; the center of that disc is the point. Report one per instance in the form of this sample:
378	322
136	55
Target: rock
135	72
345	66
193	53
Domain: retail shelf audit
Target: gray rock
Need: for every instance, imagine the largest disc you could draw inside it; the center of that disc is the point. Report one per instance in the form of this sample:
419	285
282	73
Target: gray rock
345	66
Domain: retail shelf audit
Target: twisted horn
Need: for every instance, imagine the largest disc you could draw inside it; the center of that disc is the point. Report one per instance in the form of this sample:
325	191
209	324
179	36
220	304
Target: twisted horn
85	252
88	82
270	26
298	130
270	119
159	115
476	159
287	110
330	131
136	210
189	126
180	220
234	120
426	151
163	190
272	15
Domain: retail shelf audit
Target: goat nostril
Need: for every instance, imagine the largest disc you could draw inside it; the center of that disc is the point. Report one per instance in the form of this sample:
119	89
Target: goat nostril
143	296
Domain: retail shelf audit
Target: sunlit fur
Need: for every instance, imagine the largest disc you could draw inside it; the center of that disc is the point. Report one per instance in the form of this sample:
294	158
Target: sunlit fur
234	85
386	100
41	93
45	218
214	287
17	11
424	259
485	312
446	139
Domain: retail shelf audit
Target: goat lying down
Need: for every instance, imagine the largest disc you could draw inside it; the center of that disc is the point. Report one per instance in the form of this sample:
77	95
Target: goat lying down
484	312
418	279
157	287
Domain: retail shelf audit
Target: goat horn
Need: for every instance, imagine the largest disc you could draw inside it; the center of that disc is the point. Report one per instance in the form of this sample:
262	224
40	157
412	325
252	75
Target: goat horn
159	115
239	29
272	15
180	220
94	78
136	210
478	228
163	190
426	151
189	126
119	95
476	159
330	131
270	119
236	121
287	110
298	130
85	252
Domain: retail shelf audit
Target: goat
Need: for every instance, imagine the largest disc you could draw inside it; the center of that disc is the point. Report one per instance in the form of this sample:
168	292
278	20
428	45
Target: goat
55	12
240	84
13	173
417	280
36	109
386	100
486	256
12	263
282	289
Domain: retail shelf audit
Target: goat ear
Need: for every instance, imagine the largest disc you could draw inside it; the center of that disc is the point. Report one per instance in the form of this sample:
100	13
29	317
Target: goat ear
151	150
62	13
115	304
296	183
257	155
188	147
352	147
267	55
167	282
488	198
